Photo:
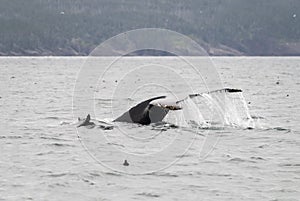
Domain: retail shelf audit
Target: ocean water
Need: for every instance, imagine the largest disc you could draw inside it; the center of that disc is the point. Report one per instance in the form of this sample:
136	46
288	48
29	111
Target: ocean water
44	156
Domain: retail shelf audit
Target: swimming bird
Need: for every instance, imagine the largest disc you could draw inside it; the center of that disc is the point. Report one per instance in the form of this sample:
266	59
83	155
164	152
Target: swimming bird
87	122
126	163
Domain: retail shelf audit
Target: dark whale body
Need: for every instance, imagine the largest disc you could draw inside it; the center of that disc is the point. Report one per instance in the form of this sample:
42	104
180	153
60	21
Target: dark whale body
144	113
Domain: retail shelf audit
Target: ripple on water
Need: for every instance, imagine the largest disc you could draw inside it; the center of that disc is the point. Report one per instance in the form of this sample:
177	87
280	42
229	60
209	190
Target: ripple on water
290	165
148	194
10	136
51	118
56	144
54	138
52	152
164	174
62	174
184	156
239	160
45	153
113	174
257	158
278	128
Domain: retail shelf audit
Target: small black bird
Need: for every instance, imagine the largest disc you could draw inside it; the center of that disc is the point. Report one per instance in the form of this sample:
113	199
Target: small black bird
126	163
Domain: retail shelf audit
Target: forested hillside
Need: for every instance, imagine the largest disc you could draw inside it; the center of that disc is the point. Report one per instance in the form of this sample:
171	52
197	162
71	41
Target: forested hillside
75	27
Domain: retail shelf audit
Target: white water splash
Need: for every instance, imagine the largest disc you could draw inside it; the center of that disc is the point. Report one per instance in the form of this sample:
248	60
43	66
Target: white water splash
231	108
192	114
227	109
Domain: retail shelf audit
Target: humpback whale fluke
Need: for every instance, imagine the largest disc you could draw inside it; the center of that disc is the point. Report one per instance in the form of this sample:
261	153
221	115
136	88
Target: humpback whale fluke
152	110
155	109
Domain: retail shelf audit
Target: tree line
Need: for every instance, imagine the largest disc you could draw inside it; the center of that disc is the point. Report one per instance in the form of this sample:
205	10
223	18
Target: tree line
75	27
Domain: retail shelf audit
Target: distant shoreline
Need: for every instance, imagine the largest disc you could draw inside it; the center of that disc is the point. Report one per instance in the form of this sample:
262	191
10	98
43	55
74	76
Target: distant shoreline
83	57
220	50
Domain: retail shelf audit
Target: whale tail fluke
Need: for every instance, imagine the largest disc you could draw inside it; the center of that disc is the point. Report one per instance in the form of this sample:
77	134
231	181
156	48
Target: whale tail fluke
155	109
227	90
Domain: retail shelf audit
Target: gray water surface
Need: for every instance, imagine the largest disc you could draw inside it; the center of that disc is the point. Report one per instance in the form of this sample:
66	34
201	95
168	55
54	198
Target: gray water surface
42	157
